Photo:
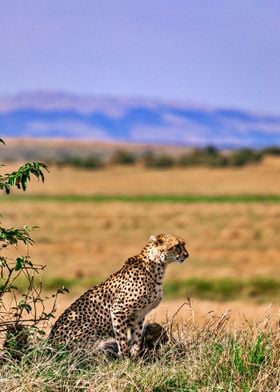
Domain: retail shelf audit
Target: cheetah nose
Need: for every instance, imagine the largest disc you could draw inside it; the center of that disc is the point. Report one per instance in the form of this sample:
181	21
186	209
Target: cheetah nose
186	254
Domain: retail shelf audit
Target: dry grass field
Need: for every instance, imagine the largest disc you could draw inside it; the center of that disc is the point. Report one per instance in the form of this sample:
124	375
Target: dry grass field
260	178
222	343
88	240
93	239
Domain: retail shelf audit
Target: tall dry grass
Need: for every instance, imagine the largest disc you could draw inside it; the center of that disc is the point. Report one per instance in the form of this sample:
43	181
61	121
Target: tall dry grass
205	357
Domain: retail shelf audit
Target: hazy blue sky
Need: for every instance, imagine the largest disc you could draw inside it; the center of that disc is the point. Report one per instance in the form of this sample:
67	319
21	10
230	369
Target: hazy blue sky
220	52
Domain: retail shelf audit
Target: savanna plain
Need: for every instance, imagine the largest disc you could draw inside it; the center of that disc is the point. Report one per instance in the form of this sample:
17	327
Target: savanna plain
222	305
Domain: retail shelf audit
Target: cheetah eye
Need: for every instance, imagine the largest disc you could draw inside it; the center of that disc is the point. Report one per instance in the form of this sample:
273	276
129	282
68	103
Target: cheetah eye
178	248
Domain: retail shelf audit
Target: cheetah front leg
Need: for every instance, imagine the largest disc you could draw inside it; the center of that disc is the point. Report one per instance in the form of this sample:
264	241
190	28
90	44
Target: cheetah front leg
136	327
120	327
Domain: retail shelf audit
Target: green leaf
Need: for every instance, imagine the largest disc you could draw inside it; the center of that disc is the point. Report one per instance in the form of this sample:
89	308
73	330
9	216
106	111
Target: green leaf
20	263
13	236
22	176
25	306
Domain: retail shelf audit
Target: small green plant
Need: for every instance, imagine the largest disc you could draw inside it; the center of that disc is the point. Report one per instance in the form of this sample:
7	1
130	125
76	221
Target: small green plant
21	312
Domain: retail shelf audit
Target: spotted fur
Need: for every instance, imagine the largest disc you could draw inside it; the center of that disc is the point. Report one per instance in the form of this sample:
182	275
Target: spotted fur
117	307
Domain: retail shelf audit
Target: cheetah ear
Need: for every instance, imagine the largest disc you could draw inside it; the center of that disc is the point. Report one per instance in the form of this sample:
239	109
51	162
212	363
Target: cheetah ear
153	238
156	239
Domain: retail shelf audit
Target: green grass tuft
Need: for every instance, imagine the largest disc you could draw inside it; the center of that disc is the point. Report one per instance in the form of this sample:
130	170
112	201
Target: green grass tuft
224	289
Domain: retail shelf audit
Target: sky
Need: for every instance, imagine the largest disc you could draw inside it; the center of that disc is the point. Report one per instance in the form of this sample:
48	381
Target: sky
218	52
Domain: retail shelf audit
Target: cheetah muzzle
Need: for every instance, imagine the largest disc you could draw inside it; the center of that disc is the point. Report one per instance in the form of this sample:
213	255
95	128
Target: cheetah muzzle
118	306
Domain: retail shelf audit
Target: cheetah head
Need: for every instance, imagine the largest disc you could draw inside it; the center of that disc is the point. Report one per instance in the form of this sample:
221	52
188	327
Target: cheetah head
167	248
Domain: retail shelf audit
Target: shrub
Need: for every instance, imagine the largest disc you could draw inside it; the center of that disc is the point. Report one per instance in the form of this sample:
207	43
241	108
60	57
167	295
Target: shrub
21	311
89	162
208	156
123	157
161	161
244	156
273	150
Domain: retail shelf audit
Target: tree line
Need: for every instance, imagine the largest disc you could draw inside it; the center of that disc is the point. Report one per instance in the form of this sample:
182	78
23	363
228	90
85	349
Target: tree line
208	156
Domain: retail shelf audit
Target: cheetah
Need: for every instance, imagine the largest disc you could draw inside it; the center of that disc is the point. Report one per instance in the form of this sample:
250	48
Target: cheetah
117	307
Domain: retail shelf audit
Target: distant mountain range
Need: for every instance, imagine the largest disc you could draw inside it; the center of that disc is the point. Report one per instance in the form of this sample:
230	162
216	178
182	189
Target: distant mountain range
136	120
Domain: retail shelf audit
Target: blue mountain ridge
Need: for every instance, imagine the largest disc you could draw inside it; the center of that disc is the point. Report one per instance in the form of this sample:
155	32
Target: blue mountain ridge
50	115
